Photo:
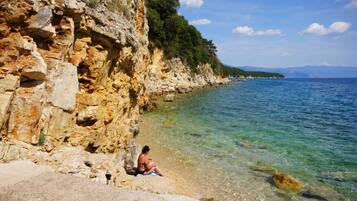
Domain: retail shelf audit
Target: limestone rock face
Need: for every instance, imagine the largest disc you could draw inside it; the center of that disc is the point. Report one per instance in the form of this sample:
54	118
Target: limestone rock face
76	74
69	73
25	112
39	25
164	77
64	83
31	63
73	79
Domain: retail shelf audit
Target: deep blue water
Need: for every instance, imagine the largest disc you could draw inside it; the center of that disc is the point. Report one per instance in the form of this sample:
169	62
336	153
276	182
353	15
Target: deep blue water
305	127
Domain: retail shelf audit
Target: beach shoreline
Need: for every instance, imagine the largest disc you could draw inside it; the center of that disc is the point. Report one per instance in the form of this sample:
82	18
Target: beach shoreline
164	158
222	167
177	167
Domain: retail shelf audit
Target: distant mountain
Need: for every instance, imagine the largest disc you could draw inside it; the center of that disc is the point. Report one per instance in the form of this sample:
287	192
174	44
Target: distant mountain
310	71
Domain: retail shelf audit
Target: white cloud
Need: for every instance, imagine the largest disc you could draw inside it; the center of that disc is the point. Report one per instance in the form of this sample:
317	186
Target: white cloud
201	22
316	28
340	27
244	31
269	32
249	31
320	29
192	3
285	54
325	63
352	5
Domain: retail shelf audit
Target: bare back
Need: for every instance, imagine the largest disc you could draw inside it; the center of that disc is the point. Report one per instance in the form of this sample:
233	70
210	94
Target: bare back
141	162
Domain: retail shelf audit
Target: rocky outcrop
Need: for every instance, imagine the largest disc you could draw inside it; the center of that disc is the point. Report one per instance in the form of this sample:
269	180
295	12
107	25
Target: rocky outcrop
286	182
77	72
69	73
165	77
74	75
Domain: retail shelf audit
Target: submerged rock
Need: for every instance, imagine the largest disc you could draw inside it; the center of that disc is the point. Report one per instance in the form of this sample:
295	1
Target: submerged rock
262	147
169	97
287	182
206	199
244	144
265	168
322	192
312	195
340	176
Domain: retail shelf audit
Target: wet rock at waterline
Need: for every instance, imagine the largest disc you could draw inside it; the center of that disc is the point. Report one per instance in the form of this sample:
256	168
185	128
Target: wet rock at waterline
287	182
169	97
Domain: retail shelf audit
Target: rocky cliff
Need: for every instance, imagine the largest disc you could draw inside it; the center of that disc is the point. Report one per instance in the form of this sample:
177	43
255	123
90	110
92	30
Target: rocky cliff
77	72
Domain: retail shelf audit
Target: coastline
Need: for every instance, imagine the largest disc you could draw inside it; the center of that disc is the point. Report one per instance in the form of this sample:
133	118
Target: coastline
250	179
181	169
169	163
191	178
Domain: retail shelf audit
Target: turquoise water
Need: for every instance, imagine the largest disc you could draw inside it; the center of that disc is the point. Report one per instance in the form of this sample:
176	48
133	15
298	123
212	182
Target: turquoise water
305	127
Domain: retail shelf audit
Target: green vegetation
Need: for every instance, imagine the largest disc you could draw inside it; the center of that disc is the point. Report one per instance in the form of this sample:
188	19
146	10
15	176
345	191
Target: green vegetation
237	72
42	139
172	33
93	3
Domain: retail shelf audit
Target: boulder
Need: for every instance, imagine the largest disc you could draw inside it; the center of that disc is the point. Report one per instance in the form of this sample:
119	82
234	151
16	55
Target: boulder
89	114
5	100
25	112
7	87
20	55
169	97
74	6
131	157
286	182
39	25
64	83
30	61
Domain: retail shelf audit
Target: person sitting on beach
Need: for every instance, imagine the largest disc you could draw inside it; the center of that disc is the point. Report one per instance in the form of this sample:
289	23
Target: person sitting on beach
146	165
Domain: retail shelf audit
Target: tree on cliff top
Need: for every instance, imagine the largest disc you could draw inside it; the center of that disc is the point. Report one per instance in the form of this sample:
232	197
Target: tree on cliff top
172	33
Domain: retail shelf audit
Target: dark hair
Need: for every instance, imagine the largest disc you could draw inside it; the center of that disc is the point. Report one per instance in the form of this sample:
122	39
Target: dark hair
145	149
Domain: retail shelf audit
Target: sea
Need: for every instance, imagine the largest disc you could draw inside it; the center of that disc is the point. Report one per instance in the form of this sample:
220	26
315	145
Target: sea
230	140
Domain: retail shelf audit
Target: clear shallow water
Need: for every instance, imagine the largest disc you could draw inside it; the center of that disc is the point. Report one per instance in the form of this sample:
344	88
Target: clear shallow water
305	127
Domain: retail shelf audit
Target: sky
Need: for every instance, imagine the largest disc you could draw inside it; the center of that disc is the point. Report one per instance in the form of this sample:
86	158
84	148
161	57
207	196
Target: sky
278	33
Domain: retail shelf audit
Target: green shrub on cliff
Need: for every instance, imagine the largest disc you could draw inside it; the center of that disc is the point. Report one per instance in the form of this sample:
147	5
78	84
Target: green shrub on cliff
172	33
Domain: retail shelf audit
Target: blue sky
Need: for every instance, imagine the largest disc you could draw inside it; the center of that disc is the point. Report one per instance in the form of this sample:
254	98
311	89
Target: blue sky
278	33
